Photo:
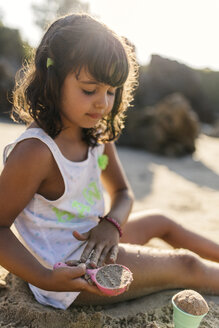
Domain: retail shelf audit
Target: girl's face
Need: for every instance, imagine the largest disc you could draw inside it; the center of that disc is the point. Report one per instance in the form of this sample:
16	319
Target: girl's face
85	101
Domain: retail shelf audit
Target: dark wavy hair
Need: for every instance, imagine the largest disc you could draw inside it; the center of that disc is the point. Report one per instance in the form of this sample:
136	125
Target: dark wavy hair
74	42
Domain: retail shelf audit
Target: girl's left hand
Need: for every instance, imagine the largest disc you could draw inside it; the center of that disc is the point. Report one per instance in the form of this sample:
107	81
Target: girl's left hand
102	244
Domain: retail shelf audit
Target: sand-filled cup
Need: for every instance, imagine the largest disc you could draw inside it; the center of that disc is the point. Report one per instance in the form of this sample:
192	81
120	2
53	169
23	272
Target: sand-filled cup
182	319
189	308
111	279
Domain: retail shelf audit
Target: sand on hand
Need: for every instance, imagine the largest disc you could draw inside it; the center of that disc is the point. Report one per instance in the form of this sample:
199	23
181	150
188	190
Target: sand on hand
191	302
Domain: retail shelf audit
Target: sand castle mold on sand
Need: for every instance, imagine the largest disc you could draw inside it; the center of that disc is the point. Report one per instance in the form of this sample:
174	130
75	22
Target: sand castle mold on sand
191	302
189	308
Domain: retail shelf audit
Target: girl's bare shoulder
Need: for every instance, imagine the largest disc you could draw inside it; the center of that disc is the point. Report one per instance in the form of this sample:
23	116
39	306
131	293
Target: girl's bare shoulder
30	148
30	154
27	167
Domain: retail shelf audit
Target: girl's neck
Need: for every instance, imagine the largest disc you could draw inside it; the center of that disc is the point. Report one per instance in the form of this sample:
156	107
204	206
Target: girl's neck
72	146
70	143
68	134
73	135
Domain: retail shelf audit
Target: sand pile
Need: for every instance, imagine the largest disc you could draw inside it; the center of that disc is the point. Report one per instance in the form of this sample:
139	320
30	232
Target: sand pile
191	302
18	309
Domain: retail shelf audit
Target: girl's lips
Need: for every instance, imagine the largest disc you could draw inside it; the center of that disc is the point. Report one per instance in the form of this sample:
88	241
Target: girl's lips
95	116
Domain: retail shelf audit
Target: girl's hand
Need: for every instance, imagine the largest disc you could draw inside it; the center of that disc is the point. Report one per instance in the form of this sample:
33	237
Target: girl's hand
70	279
102	244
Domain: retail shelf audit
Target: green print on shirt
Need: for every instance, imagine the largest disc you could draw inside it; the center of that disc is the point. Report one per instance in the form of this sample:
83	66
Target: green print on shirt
89	194
81	208
63	216
103	161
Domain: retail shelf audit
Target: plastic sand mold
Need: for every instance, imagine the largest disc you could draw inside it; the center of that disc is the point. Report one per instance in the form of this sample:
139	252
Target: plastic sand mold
111	279
182	319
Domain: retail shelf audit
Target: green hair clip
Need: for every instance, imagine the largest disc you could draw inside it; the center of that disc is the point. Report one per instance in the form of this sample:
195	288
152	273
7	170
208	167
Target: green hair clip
49	62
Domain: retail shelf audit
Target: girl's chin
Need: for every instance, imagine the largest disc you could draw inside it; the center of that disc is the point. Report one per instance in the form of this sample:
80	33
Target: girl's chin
85	125
90	125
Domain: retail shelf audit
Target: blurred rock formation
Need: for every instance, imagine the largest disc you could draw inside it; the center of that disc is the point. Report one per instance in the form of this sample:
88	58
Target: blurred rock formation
163	77
169	128
12	54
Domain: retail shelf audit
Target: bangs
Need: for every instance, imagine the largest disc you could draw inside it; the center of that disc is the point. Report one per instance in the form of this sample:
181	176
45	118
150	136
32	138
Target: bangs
105	59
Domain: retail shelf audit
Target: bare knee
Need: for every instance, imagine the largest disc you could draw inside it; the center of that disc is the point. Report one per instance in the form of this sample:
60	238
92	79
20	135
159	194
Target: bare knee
189	262
162	219
145	225
164	223
157	224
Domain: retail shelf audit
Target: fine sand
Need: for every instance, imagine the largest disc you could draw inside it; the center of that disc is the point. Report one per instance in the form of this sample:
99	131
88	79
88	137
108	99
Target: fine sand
187	189
113	276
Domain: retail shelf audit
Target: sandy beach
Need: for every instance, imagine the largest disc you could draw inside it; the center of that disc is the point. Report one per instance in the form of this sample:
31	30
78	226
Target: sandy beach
187	189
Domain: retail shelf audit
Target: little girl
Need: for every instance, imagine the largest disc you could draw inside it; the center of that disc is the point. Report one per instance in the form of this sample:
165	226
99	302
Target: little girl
73	98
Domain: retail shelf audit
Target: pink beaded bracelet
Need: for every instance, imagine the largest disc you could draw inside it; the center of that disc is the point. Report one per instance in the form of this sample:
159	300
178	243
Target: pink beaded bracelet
113	221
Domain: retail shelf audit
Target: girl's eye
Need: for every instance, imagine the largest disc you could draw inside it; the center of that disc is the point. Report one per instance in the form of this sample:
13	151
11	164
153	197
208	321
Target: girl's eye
111	93
88	93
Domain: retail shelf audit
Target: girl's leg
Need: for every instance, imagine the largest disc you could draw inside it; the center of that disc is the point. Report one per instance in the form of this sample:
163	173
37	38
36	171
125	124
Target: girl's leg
155	269
142	226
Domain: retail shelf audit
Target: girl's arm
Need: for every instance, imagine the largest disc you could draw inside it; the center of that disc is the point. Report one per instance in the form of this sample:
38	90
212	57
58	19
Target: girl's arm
104	238
26	169
117	185
20	179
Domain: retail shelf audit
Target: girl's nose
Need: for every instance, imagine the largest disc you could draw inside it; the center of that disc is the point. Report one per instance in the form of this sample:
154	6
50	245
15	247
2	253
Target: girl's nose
102	101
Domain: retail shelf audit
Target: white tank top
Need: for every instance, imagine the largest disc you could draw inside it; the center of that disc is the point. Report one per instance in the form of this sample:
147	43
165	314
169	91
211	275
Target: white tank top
45	226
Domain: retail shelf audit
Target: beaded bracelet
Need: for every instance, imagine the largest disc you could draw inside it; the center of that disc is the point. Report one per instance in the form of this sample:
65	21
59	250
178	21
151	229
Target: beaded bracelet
113	221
